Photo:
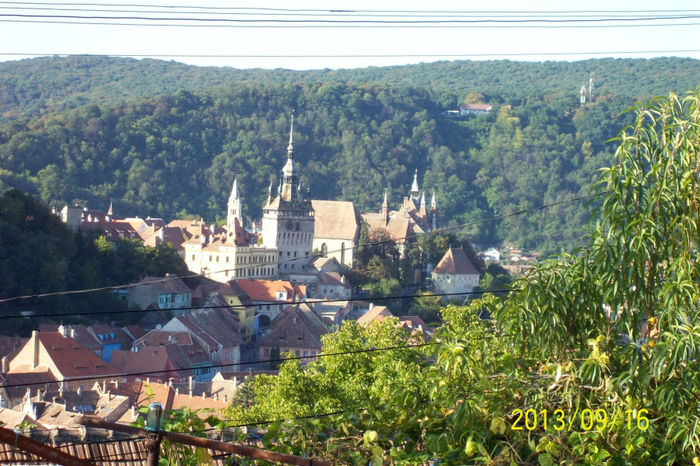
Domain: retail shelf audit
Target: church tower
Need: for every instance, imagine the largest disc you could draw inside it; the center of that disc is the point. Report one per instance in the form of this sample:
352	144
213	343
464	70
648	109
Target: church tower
234	207
288	219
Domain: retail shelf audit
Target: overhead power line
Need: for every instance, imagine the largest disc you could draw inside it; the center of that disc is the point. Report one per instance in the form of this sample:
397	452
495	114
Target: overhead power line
222	365
252	266
335	10
256	305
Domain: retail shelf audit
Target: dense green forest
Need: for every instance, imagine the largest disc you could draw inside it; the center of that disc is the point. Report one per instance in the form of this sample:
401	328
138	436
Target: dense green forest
42	85
40	254
177	154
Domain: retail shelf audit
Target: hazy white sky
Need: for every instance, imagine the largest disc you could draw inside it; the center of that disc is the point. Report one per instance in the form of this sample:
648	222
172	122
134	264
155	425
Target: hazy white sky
334	45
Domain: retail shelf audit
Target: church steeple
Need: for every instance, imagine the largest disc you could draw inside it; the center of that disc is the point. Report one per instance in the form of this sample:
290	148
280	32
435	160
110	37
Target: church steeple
415	191
234	206
422	201
290	179
385	208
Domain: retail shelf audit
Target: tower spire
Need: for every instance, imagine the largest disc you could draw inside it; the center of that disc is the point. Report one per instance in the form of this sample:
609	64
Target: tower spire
234	205
290	147
415	191
385	207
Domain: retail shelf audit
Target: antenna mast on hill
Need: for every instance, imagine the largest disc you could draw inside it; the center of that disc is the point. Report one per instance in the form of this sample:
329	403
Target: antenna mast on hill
590	88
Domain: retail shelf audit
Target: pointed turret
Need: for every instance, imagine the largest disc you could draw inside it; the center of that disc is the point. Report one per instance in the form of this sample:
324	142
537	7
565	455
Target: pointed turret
422	201
415	191
433	203
110	212
234	206
385	208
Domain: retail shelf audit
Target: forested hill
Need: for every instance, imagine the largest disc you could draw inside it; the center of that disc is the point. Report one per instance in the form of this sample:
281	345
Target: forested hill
154	150
178	154
41	85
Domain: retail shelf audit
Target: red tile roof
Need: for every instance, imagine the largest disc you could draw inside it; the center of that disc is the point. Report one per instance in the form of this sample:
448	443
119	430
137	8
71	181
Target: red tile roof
72	359
455	261
265	290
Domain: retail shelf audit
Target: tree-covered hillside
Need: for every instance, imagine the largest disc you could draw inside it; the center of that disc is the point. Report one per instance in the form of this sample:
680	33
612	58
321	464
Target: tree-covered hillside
358	133
178	154
41	85
40	254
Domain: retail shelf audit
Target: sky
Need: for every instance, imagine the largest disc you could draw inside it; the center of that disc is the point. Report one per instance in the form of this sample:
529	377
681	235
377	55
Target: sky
359	33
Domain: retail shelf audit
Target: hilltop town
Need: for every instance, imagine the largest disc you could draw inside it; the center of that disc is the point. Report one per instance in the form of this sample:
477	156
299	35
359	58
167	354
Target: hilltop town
255	294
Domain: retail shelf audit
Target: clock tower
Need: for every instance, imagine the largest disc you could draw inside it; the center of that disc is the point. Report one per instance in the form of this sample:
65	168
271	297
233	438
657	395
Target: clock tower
288	220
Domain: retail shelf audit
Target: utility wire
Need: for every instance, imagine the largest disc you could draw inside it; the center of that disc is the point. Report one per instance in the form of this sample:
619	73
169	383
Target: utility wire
258	304
252	266
314	24
631	15
215	366
319	10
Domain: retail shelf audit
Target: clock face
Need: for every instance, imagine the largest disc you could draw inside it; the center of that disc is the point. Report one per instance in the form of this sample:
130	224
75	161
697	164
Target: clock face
289	225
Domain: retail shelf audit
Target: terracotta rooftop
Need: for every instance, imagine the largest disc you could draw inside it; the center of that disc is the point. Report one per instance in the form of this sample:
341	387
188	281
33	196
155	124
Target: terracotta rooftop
376	313
292	328
455	261
265	290
69	357
167	284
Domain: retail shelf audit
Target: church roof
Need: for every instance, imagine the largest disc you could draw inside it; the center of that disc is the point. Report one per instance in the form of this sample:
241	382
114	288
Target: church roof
398	227
335	219
456	262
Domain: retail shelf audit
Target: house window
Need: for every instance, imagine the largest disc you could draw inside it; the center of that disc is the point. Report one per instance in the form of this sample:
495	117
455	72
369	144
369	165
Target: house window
266	352
297	353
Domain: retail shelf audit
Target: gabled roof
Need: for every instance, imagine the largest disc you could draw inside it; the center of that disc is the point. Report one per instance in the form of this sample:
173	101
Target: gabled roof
335	219
292	328
220	325
167	284
163	338
150	359
376	313
265	290
398	227
455	262
72	359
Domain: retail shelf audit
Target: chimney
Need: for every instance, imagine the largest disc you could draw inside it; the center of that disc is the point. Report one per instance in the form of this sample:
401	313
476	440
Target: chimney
35	342
63	330
190	385
5	365
80	390
177	391
104	386
72	332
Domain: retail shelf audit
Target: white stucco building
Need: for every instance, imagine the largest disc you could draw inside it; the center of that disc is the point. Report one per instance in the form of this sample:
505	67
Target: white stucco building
455	273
